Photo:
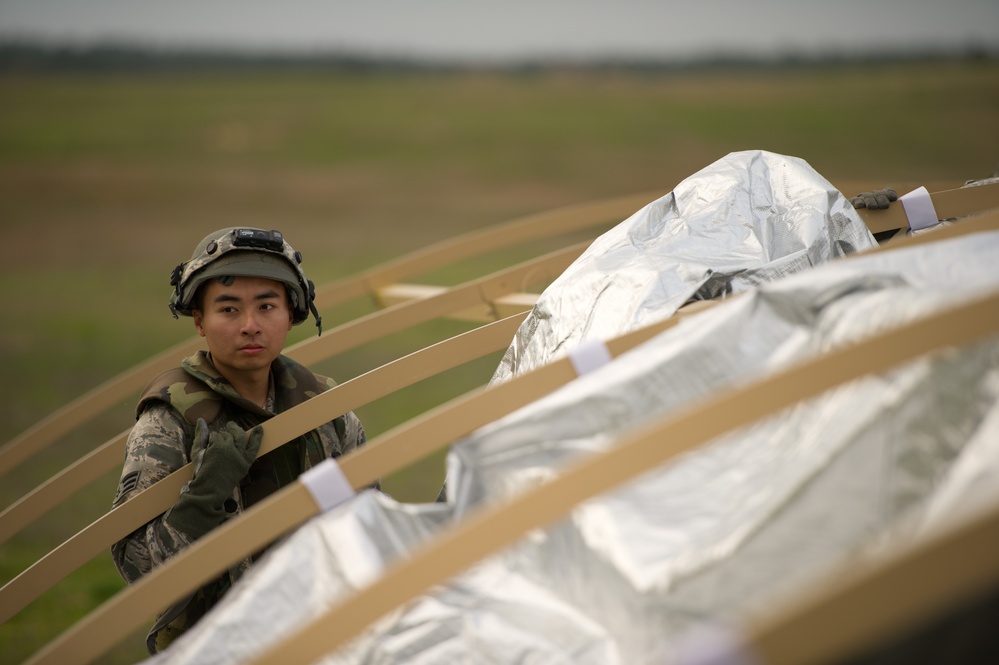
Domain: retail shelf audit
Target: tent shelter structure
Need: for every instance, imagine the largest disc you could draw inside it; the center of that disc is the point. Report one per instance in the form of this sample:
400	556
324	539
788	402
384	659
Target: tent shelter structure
505	298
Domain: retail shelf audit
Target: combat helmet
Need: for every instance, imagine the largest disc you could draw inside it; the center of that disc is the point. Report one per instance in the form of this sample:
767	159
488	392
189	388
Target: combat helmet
244	252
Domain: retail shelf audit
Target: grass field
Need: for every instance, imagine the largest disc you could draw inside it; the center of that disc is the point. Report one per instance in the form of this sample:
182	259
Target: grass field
108	181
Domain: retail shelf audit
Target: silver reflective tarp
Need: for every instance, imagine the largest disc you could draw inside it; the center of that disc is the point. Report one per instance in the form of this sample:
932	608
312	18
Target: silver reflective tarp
718	533
749	218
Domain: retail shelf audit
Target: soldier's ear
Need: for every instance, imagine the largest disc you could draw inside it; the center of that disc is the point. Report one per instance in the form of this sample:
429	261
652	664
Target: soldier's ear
196	315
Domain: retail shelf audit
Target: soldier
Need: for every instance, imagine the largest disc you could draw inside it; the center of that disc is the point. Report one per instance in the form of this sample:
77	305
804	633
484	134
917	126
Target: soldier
244	289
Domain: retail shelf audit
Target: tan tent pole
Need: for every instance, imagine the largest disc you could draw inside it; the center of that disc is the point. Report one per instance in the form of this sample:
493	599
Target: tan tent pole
285	510
862	606
343	337
538	226
949	204
851	188
395	449
84	408
541	225
51	493
429	432
349	335
65	484
405	315
986	221
492	528
981	223
398	317
61	486
121	521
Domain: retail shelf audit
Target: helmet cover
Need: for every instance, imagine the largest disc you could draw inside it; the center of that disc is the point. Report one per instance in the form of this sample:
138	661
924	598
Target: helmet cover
244	252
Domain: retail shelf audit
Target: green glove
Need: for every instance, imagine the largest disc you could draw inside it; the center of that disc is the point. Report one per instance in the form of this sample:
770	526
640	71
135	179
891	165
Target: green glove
879	199
220	461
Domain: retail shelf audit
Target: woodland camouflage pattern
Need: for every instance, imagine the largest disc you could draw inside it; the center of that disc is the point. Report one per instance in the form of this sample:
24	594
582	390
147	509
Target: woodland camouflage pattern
160	443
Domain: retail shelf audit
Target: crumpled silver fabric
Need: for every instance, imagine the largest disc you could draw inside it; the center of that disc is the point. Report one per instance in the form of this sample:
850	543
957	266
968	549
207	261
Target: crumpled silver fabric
714	535
749	218
759	513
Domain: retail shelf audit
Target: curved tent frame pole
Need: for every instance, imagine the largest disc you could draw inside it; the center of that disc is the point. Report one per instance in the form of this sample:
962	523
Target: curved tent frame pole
46	496
86	407
478	292
858	609
487	290
948	203
367	283
538	226
293	505
370	283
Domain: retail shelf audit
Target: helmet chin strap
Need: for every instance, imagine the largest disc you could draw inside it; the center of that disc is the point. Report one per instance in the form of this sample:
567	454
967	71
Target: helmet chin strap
319	319
312	308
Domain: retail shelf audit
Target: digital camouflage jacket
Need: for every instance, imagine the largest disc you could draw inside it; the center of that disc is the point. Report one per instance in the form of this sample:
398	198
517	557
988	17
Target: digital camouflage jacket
160	443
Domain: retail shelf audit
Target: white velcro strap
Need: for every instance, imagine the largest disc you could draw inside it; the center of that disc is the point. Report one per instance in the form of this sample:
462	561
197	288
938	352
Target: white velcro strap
327	484
589	356
714	646
919	209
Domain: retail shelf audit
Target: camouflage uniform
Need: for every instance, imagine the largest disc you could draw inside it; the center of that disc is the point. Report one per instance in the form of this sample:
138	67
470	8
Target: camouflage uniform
160	443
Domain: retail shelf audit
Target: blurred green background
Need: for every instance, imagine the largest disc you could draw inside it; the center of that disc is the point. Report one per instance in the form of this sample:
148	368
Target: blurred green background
108	180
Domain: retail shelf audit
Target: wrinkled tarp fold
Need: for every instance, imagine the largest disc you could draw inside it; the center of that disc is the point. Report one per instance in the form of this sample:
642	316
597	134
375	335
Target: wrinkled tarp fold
748	219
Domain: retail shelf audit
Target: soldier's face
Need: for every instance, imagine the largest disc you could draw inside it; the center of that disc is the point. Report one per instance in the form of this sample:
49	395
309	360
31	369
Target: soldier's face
245	324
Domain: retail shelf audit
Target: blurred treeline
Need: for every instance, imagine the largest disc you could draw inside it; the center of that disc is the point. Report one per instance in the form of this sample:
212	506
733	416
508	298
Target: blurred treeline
24	55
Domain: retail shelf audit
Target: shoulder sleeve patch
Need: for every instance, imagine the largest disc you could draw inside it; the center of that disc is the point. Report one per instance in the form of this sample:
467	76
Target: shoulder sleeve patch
128	483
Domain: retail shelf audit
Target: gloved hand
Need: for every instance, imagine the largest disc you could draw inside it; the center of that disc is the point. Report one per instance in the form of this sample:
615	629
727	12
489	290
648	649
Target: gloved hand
220	461
879	199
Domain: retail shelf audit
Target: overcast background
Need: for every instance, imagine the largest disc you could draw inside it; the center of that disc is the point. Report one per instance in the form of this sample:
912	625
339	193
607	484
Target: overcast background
475	30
